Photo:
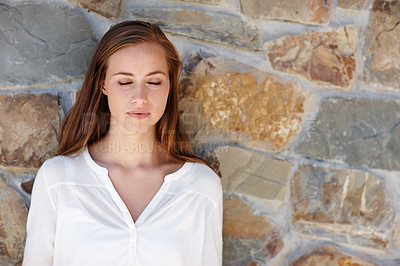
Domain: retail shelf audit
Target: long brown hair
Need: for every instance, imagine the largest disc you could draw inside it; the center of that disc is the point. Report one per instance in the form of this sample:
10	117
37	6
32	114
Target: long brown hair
89	118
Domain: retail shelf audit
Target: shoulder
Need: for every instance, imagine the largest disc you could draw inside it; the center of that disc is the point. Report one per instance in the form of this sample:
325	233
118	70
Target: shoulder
204	180
61	163
61	168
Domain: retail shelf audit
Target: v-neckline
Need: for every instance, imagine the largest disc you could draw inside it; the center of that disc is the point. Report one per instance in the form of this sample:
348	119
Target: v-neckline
119	201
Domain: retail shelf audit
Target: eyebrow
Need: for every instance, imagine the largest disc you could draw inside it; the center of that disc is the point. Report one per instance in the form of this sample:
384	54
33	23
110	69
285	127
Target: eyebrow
132	75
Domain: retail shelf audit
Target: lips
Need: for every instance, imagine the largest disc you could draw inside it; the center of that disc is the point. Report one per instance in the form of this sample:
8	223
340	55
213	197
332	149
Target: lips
139	114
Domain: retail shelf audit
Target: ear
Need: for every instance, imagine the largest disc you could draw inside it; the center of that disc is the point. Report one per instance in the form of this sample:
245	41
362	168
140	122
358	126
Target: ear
103	90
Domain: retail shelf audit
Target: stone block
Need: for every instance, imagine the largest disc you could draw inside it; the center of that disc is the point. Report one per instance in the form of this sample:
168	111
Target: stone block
360	132
326	58
206	2
329	255
209	26
106	8
353	4
313	12
28	129
13	215
248	237
247	106
381	50
250	173
346	206
41	43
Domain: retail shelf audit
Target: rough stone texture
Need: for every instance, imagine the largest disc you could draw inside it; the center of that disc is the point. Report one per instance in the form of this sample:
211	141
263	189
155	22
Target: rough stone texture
327	58
208	2
247	236
360	132
28	129
314	12
18	178
381	50
268	112
106	8
12	225
353	4
251	173
210	26
344	205
36	49
329	255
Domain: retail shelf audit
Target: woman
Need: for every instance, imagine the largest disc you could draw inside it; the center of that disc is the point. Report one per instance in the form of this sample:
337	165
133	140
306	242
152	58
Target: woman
125	188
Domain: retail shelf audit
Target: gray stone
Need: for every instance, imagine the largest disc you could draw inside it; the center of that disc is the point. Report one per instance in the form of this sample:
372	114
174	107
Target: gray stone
210	26
28	129
239	252
42	44
251	173
13	215
360	132
308	12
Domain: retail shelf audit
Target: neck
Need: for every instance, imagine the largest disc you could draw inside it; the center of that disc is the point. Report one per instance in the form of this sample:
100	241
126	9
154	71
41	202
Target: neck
139	149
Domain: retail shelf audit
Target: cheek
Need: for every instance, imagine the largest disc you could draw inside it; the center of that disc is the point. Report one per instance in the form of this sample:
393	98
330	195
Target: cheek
114	103
163	98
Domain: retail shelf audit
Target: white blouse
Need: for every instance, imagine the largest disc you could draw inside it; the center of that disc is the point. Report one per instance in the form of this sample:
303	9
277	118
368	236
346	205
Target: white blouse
77	217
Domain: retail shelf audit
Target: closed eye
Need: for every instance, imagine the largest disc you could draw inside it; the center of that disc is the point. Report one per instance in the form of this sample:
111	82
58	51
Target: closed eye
154	83
125	83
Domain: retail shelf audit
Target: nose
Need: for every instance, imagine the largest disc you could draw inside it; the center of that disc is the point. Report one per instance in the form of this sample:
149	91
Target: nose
139	95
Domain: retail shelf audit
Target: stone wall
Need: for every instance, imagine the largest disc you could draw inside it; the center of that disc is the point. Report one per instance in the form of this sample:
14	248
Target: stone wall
295	103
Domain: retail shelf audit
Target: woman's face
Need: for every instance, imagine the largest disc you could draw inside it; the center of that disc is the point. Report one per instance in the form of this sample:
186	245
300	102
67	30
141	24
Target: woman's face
137	86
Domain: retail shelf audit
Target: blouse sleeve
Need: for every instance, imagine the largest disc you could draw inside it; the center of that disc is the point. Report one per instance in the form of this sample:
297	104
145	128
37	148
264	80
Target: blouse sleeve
212	255
41	224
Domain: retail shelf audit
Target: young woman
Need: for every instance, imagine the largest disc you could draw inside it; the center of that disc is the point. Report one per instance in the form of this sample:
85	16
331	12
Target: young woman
125	188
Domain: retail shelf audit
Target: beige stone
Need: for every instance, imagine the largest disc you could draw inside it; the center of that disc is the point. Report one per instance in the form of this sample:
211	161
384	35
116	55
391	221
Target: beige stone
247	106
326	58
13	215
353	4
28	129
348	205
106	8
313	12
251	173
240	222
329	255
382	52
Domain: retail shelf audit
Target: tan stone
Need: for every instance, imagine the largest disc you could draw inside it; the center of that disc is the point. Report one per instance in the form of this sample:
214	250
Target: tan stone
329	255
13	215
327	58
253	106
251	173
106	8
382	52
313	12
28	129
240	222
348	205
353	4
